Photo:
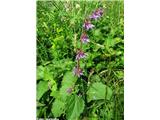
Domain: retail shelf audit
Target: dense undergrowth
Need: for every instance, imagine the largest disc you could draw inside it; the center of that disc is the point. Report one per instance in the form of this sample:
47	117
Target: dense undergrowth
99	93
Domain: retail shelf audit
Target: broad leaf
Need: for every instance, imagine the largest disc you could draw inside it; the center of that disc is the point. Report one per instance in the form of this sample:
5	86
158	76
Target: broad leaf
68	82
109	93
96	91
69	79
42	87
47	74
58	105
40	72
75	106
58	108
53	85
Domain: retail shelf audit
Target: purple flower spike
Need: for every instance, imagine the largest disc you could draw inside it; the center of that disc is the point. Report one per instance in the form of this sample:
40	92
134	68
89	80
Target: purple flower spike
84	38
77	71
97	14
80	55
87	25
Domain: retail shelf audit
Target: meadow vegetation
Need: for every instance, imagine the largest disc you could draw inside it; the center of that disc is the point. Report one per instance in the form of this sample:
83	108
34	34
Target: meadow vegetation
98	94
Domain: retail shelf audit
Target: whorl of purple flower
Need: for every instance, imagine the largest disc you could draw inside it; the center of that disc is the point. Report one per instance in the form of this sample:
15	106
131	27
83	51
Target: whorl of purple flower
77	71
97	14
80	54
69	90
84	38
88	25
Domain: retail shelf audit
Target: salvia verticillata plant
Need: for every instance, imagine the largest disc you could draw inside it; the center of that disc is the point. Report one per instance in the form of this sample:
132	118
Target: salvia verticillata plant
80	60
84	39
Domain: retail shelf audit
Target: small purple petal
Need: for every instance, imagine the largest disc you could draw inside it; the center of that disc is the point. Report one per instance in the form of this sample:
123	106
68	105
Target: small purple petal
97	14
93	16
77	71
80	55
84	38
87	25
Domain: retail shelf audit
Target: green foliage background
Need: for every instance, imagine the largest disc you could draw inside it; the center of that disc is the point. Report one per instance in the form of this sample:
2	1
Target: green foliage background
99	93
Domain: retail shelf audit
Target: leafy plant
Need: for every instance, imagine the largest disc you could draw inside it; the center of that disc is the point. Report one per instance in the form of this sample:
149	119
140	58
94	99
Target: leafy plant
96	90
